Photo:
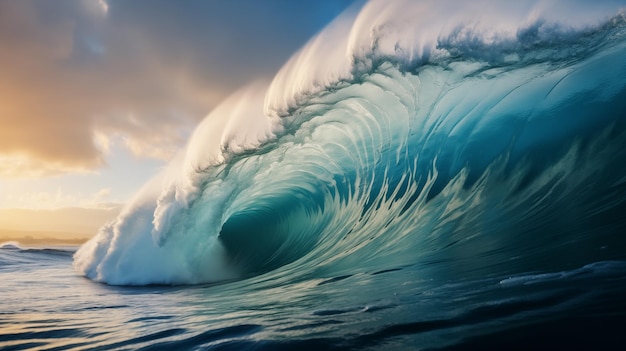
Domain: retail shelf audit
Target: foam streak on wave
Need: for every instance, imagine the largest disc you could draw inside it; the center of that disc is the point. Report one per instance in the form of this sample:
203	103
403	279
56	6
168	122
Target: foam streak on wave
400	131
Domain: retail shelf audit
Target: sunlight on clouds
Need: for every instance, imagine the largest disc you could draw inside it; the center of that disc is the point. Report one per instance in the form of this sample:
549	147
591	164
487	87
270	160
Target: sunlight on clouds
22	166
158	141
65	101
79	77
101	196
95	8
60	199
104	6
103	142
54	223
52	213
88	83
158	148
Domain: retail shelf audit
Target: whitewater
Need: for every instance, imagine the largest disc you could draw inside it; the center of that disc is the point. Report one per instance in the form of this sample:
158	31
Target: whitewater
420	175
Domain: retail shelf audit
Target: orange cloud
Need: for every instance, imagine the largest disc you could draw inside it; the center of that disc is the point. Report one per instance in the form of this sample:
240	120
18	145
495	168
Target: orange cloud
59	89
83	221
80	75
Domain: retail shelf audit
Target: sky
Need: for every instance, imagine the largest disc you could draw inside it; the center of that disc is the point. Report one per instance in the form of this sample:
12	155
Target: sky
97	95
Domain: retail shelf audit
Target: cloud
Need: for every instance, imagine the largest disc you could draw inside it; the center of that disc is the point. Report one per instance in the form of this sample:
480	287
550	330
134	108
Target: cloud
60	87
101	196
78	76
24	166
104	6
84	221
59	198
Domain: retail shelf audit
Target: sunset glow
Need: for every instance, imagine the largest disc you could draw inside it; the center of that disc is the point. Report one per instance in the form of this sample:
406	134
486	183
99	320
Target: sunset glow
97	95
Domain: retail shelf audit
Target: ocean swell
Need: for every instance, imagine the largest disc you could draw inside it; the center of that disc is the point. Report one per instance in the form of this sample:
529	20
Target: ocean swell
403	133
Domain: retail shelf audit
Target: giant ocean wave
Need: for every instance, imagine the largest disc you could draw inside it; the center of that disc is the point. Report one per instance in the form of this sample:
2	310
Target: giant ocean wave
487	135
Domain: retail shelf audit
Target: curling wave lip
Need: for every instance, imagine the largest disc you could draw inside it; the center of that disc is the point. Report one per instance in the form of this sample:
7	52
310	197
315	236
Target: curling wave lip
414	134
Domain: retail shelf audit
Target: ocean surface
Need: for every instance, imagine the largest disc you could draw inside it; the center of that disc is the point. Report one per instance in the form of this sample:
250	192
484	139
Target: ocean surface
419	176
436	304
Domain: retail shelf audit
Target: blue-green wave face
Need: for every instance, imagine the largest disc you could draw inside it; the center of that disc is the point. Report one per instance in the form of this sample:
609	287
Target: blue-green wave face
408	132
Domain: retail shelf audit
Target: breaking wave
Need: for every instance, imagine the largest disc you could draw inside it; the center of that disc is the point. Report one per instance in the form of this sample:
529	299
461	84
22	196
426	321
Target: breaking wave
404	132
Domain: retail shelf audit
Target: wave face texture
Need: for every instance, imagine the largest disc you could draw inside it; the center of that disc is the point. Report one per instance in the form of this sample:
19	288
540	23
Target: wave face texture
486	137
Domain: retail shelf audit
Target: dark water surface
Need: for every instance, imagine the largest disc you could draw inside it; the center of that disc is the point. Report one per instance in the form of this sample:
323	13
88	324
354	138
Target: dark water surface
46	306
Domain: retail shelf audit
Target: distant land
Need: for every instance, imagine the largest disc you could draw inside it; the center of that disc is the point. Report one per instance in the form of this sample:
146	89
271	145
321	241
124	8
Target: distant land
43	238
64	226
